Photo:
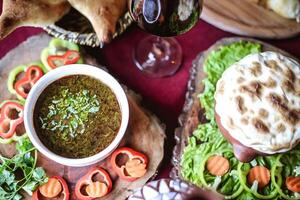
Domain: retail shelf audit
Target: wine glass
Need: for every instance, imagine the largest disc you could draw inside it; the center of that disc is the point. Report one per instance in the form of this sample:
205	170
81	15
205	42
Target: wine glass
160	55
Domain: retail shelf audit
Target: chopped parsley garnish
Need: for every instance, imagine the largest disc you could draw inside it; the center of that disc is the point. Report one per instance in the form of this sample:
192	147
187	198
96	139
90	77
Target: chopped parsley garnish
69	112
77	116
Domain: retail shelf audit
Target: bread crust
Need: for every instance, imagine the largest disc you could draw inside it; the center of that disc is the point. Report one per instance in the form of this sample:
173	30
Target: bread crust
103	15
18	13
286	8
241	152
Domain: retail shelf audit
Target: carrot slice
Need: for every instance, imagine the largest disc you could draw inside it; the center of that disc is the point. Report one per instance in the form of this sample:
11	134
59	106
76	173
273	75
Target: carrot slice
135	168
217	165
51	189
260	174
293	183
96	189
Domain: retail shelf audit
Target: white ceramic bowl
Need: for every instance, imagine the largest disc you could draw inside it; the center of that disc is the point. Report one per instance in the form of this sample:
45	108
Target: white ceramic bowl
76	69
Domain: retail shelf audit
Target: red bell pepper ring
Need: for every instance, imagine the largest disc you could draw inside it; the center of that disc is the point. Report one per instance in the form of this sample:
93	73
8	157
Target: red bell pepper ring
70	57
65	190
88	180
12	115
24	85
136	160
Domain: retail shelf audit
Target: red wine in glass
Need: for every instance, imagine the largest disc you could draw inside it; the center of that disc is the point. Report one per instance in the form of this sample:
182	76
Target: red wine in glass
161	55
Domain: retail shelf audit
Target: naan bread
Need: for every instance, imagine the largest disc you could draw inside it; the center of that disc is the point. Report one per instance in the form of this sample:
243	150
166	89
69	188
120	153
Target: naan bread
286	8
16	13
103	15
258	101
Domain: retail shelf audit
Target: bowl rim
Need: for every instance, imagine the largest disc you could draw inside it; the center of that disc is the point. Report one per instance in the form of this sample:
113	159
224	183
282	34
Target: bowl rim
56	74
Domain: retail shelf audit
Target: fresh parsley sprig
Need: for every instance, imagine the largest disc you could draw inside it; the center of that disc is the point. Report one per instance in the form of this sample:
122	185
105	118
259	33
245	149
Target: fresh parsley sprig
20	172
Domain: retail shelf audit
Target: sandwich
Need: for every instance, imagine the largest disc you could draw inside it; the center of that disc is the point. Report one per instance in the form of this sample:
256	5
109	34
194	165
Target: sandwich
263	90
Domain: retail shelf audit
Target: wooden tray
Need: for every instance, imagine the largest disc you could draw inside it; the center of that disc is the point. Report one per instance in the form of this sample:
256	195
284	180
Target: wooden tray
192	114
145	132
245	18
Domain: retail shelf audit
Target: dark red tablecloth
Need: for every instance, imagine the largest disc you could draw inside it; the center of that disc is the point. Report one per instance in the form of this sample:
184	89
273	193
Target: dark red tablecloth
165	96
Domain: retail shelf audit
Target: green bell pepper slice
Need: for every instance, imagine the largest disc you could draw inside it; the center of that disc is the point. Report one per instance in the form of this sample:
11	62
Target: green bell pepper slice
58	47
12	77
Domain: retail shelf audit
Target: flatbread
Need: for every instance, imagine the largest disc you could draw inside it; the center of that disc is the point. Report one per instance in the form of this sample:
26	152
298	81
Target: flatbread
286	8
258	101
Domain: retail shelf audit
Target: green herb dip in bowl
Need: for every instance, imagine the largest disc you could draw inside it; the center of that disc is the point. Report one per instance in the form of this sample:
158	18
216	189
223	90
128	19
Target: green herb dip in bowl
76	115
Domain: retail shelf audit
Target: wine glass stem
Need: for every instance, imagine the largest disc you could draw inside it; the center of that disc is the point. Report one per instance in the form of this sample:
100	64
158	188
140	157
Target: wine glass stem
161	49
158	57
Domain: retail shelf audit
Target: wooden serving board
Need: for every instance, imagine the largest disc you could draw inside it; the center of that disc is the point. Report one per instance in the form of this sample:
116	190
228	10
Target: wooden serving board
145	132
245	18
193	114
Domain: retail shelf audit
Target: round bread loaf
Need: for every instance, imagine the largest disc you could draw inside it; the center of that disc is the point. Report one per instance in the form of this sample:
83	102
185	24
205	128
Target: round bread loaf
257	101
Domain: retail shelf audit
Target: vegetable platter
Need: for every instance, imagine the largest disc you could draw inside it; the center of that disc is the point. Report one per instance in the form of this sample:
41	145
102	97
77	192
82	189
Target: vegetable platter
145	132
200	145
